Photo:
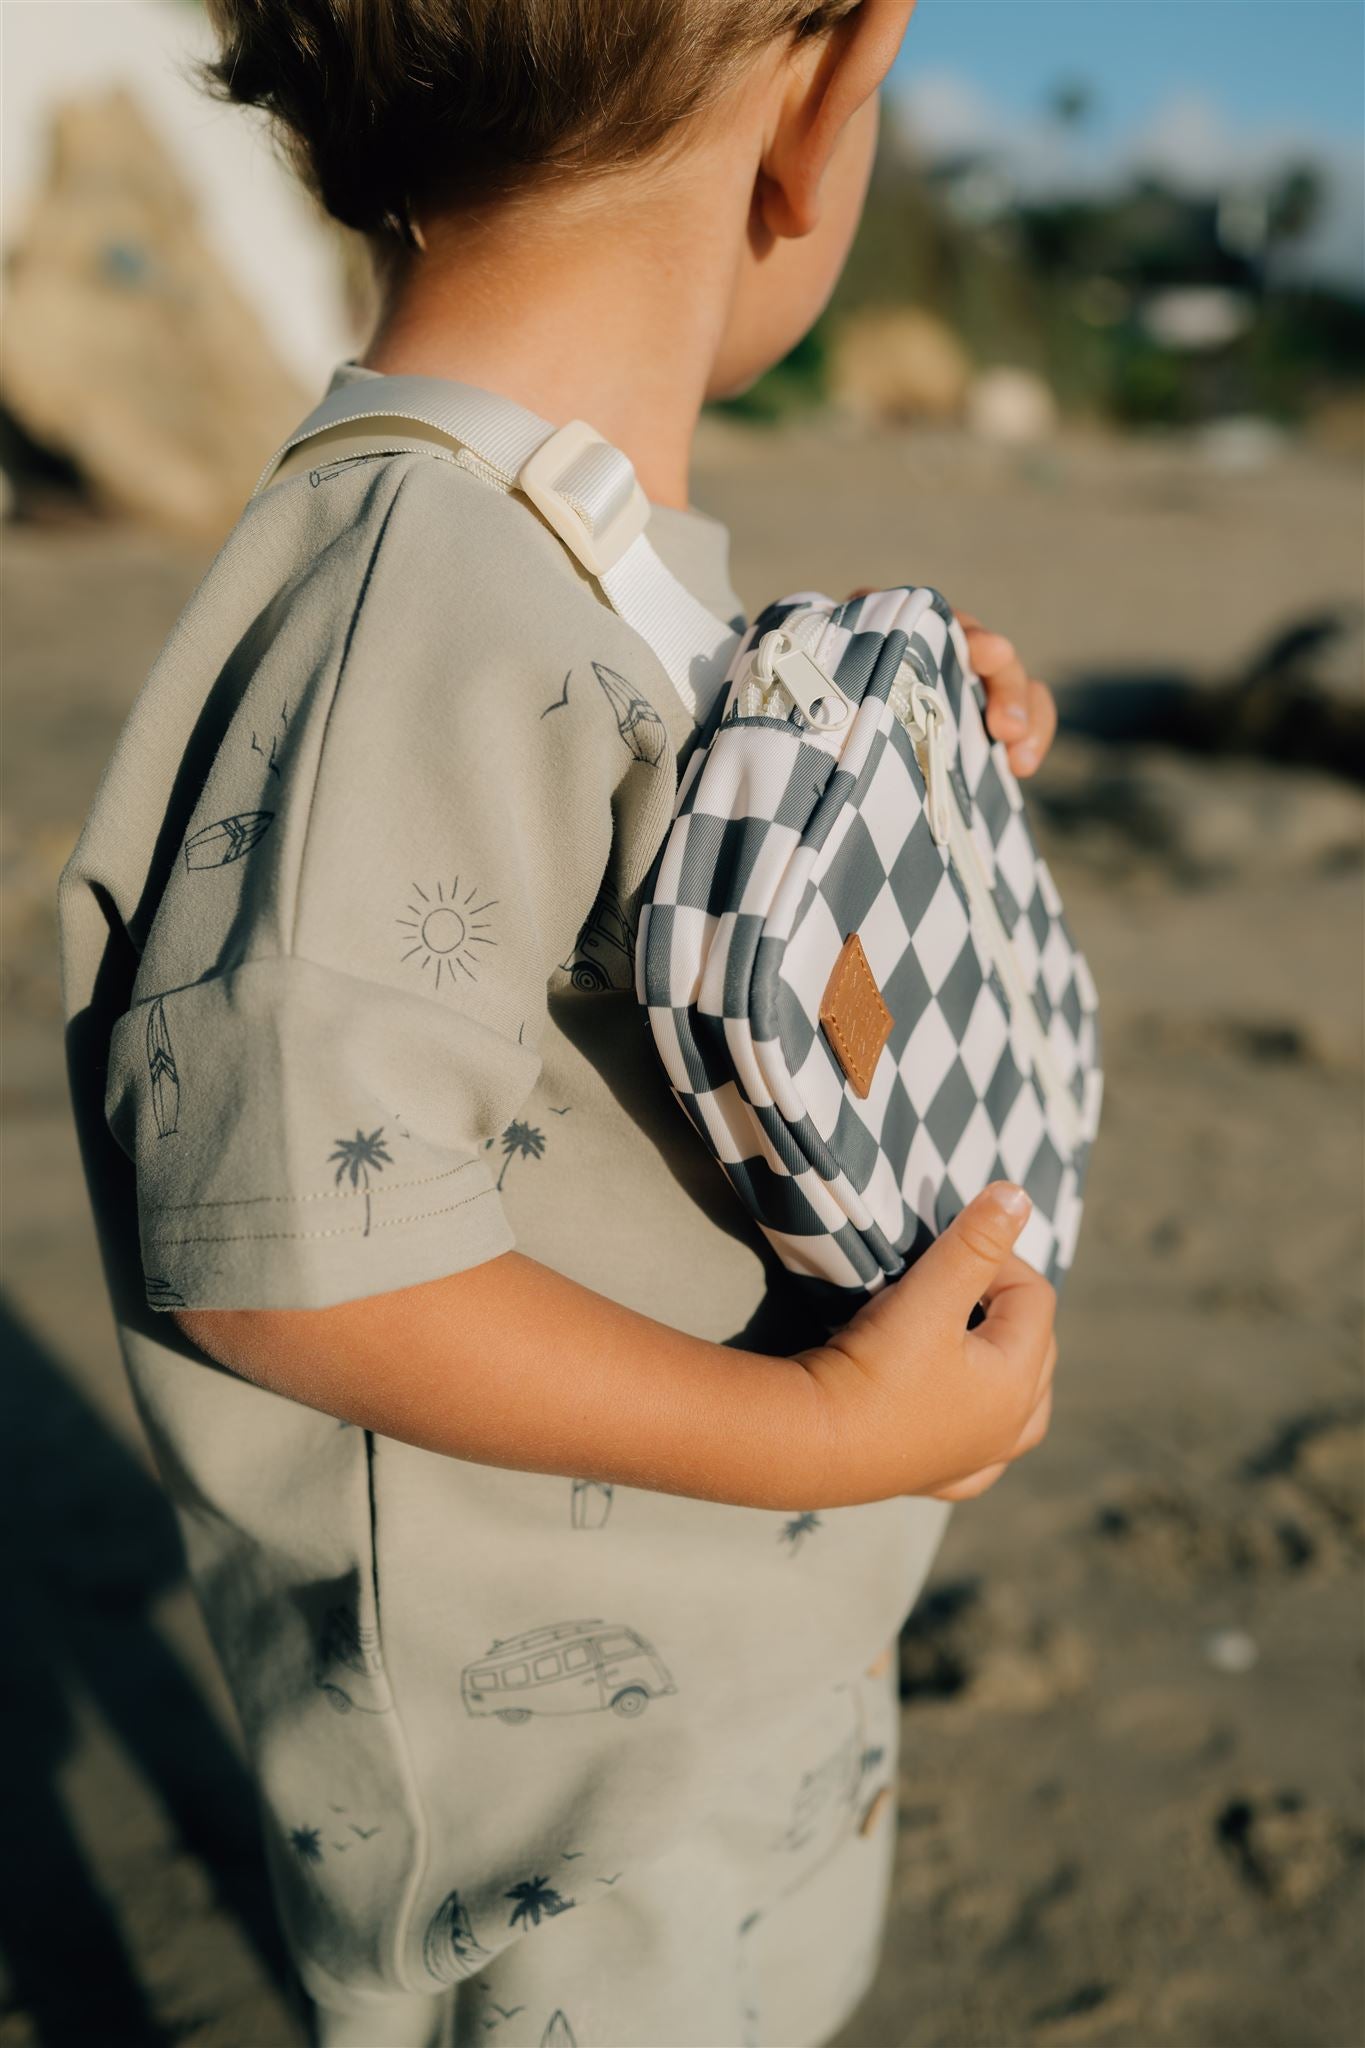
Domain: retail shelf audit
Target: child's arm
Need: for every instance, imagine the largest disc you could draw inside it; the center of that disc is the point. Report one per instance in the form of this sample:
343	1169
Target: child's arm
510	1364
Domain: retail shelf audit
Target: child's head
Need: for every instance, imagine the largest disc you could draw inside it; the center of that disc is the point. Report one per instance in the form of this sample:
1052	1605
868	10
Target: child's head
403	113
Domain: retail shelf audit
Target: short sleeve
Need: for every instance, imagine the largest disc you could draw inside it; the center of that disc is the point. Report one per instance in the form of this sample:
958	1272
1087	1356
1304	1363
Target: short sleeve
343	991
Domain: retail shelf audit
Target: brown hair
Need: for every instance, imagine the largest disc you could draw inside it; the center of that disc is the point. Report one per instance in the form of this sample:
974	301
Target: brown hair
389	105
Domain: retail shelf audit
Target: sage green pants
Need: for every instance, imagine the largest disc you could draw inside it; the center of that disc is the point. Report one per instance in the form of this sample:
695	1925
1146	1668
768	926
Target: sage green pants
761	1930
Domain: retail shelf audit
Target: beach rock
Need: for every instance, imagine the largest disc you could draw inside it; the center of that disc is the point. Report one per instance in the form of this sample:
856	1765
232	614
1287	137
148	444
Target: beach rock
1322	1457
899	363
978	1642
1297	700
1294	1508
1202	818
1012	408
126	348
1165	1533
1284	1847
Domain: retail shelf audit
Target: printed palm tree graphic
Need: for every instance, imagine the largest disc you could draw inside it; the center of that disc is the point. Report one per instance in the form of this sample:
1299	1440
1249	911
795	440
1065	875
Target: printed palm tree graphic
308	1844
520	1141
533	1897
358	1155
797	1529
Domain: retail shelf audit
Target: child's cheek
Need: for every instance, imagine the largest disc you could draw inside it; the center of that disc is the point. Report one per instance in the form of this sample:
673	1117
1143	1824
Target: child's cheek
786	284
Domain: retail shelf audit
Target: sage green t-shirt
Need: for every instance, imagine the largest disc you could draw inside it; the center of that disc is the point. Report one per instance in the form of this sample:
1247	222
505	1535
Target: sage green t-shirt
347	968
376	832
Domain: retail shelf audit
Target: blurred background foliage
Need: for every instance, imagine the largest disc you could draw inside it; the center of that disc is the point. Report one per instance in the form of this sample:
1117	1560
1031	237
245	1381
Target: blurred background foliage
1144	304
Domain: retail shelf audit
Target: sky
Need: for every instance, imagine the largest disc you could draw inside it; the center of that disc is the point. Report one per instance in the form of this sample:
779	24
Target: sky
1280	63
1208	93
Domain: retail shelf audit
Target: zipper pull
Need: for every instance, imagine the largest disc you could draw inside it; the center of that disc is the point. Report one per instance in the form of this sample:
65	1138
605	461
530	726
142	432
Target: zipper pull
780	659
826	707
927	730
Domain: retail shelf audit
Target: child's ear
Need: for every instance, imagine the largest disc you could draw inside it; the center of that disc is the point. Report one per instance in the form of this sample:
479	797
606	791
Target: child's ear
829	78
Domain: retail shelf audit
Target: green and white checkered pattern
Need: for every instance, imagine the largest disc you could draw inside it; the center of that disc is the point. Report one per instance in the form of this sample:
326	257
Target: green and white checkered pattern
786	840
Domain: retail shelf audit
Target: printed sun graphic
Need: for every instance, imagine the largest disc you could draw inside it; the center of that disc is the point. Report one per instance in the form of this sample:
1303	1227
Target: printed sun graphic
445	930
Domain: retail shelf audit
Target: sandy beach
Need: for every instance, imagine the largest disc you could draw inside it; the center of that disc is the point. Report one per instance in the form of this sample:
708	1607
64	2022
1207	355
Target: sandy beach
1130	1797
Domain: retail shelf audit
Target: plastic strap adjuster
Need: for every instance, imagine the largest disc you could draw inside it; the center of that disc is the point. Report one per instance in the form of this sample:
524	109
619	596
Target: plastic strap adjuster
586	491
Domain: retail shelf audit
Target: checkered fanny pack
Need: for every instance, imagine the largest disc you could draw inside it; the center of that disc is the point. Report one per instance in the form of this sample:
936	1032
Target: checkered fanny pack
853	958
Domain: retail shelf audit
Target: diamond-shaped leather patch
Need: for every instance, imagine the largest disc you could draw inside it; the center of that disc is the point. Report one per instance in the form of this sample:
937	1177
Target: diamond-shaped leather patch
856	1020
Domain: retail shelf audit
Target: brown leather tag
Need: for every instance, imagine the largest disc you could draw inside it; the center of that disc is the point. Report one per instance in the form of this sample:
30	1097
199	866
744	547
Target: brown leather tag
855	1018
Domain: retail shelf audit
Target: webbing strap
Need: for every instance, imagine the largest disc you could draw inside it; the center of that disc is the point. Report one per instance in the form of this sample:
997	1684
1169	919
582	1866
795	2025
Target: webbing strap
590	499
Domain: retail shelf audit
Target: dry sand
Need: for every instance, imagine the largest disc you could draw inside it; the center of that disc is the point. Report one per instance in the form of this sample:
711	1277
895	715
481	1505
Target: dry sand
1131	1801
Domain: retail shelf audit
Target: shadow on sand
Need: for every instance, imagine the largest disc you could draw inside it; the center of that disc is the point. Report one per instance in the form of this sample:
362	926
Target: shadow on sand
91	1545
1276	705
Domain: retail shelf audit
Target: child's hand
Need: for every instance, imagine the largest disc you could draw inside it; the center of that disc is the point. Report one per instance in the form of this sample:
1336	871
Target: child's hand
921	1403
1020	711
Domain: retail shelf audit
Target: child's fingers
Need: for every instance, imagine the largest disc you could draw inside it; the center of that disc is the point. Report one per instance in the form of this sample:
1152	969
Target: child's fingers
1036	1428
1030	1436
1006	682
969	1488
1025	754
963	1265
993	654
1021	1309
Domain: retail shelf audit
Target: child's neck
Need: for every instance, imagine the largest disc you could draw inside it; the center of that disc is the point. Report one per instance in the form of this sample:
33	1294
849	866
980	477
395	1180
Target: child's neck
612	315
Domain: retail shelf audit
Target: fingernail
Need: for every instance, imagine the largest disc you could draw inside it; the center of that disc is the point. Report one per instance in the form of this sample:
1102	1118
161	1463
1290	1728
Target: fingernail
1026	756
1014	714
1013	1201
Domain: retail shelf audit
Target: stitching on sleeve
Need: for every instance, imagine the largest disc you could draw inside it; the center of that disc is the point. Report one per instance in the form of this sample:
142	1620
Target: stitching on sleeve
397	1187
342	1230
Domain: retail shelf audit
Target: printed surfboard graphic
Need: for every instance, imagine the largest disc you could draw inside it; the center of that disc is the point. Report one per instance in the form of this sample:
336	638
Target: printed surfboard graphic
164	1074
219	844
590	1503
638	723
450	1948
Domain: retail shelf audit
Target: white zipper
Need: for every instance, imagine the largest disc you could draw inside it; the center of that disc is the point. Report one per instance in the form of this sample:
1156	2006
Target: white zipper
920	712
783	675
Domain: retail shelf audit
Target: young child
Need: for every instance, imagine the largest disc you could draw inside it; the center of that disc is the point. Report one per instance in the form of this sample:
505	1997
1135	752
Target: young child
551	1559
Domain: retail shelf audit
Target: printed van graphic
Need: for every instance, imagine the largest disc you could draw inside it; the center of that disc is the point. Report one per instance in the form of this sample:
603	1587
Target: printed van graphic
577	1667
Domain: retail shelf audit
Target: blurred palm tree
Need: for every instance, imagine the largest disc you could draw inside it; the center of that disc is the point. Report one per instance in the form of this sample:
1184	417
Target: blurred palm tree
1070	103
